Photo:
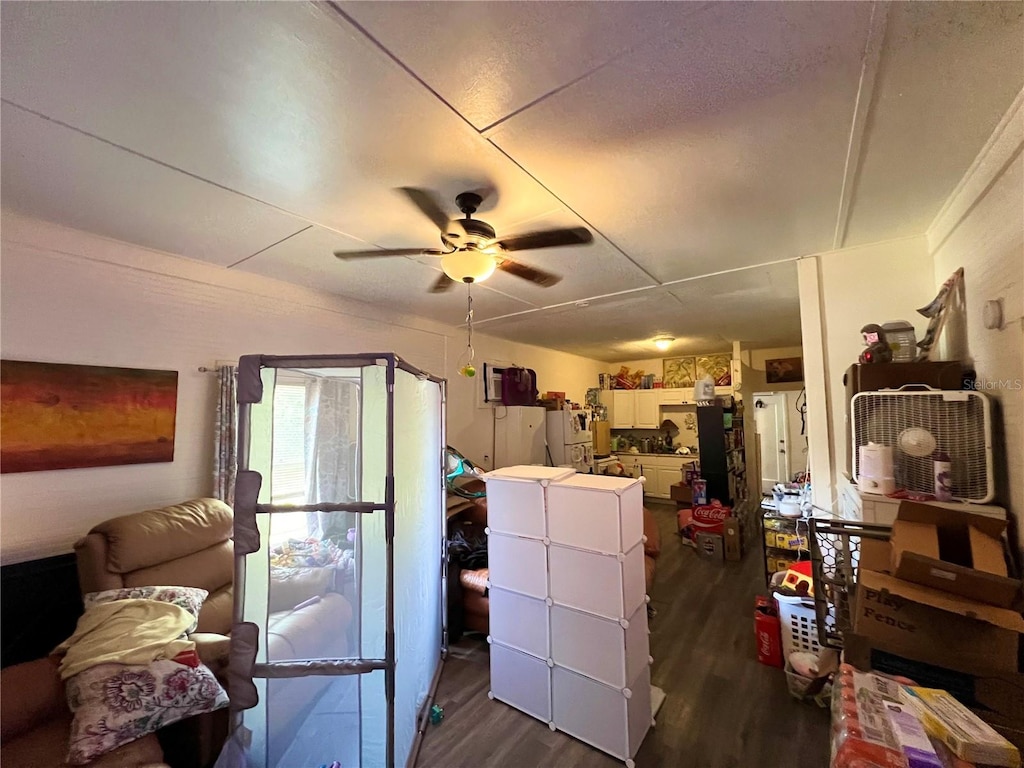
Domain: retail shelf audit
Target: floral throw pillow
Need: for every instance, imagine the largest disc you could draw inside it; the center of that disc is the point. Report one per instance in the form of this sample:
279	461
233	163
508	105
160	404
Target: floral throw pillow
114	704
189	598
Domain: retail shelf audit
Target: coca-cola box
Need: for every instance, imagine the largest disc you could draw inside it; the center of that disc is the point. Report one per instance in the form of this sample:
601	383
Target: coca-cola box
710	518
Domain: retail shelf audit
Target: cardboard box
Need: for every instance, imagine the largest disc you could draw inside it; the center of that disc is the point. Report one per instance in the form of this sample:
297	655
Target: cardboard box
710	545
927	625
997	698
952	551
680	492
733	538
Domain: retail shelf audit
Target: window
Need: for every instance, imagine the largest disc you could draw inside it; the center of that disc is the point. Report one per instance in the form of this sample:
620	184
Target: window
288	473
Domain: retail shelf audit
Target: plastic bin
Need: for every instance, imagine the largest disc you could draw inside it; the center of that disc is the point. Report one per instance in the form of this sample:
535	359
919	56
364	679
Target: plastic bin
614	720
515	498
611	652
607	585
799	625
599	513
520	622
521	681
518	564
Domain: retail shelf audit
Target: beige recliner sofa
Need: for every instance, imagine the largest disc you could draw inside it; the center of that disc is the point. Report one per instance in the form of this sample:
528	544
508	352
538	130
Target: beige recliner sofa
189	544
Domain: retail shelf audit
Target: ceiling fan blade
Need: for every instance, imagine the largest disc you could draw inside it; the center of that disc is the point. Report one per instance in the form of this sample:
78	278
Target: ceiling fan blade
534	275
442	284
424	200
377	252
552	238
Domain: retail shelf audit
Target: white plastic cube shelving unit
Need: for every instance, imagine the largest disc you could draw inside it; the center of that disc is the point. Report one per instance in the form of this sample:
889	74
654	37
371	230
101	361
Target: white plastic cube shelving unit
569	637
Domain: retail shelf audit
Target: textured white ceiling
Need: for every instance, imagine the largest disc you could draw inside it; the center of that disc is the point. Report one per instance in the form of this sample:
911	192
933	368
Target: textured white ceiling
692	138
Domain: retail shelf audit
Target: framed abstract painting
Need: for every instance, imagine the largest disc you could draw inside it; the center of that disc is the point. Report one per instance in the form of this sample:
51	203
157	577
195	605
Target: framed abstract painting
57	416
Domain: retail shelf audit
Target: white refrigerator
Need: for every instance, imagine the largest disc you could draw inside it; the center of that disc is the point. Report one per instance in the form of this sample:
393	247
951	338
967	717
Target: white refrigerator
519	436
570	440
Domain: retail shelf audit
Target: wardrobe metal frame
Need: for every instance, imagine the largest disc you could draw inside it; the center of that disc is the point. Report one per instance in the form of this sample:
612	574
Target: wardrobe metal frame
243	666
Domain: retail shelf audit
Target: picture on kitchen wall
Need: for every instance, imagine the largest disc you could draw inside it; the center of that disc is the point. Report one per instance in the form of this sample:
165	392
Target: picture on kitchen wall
718	367
679	372
784	370
56	416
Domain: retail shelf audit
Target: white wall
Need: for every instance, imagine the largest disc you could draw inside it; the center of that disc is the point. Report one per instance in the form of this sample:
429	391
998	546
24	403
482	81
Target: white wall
874	283
989	244
71	297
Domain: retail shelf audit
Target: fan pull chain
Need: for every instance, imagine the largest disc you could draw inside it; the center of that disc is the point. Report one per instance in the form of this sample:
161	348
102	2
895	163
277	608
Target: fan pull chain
466	367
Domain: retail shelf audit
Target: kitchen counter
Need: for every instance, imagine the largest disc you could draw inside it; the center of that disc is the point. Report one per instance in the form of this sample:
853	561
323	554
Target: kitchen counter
666	455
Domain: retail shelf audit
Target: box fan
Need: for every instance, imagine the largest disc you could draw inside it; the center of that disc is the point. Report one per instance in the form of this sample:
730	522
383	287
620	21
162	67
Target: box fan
920	423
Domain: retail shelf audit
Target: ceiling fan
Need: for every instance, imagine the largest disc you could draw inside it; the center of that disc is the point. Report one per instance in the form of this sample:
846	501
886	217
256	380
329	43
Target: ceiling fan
471	249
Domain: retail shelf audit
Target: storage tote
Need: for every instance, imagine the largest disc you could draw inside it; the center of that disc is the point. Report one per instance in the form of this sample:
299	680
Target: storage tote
520	622
612	652
607	585
515	498
521	680
518	564
600	513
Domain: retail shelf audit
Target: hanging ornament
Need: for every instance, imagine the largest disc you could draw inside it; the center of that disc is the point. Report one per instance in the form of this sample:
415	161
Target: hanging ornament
466	367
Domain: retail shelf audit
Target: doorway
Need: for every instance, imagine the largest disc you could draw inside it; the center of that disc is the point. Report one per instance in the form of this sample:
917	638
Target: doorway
771	419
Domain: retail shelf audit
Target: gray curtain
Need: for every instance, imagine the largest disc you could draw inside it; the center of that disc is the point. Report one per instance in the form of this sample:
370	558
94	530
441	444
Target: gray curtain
330	451
225	459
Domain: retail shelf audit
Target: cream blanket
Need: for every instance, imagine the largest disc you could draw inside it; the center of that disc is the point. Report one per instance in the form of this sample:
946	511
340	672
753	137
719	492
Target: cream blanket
125	632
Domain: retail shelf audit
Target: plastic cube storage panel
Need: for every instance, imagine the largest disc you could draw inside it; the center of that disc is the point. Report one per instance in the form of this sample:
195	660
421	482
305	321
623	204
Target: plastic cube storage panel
515	499
600	648
518	564
521	681
596	512
611	719
608	585
520	622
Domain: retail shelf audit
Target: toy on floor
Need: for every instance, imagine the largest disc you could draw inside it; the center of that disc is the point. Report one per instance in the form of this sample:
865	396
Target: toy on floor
436	714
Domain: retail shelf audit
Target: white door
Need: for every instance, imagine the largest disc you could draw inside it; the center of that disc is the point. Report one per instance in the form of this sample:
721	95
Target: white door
667	477
772	424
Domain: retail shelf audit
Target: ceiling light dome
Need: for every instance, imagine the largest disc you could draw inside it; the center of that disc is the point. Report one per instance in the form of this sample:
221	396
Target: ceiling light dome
663	342
468	266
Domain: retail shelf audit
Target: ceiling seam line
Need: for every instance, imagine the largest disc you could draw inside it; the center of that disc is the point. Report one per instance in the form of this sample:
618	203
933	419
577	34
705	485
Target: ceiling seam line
588	73
174	168
405	67
261	250
642	289
862	109
576	213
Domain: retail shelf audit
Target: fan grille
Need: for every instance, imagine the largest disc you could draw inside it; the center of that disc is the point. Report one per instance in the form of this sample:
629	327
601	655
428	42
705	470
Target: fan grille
959	423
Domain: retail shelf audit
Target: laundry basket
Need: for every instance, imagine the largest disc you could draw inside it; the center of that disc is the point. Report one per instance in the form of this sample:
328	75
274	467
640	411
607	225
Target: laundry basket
799	625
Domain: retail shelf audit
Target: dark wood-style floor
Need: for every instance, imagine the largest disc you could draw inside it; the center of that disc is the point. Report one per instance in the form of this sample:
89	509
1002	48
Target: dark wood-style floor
723	709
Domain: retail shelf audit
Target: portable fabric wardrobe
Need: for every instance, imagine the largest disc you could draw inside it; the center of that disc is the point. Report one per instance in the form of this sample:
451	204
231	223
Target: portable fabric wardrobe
339	631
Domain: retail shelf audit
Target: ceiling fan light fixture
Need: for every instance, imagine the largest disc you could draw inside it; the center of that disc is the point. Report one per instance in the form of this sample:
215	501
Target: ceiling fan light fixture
663	342
468	266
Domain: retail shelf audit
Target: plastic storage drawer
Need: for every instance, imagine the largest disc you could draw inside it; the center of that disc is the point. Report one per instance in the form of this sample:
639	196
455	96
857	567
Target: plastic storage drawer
612	719
520	622
521	681
607	585
515	499
518	564
611	652
596	512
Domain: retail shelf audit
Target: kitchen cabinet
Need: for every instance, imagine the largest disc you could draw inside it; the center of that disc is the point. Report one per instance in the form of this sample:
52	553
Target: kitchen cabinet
623	415
635	409
675	396
648	413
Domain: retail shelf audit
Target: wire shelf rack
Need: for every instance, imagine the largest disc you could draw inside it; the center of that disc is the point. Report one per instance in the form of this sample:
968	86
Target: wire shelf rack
835	555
